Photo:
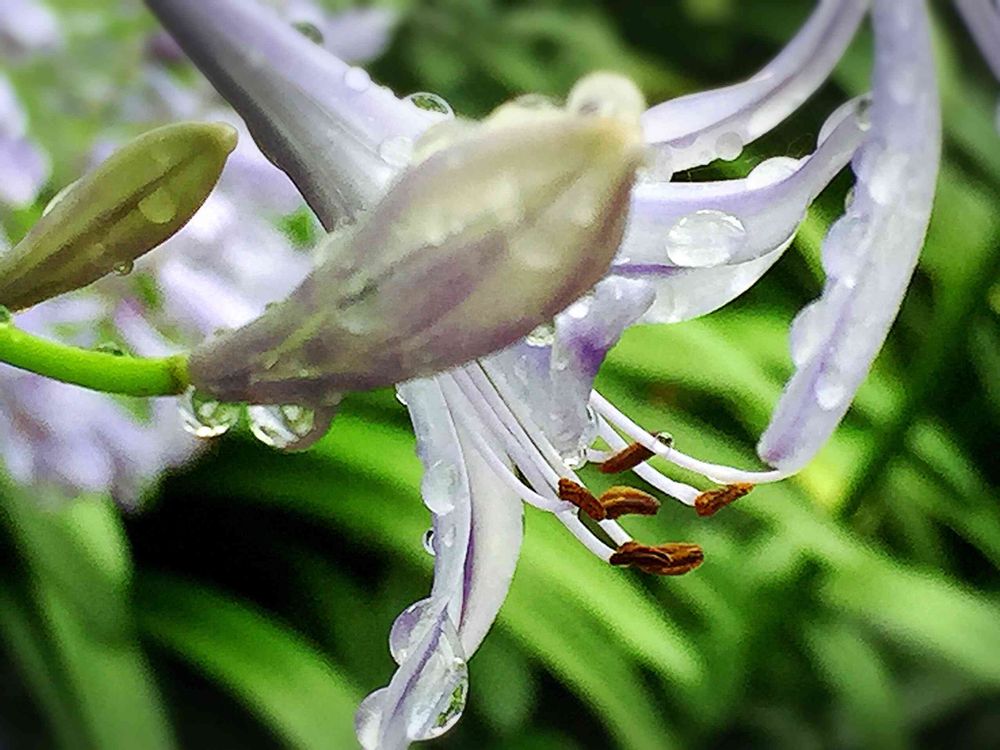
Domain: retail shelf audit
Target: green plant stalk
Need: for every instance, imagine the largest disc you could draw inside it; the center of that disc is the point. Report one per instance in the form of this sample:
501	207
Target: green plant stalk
98	371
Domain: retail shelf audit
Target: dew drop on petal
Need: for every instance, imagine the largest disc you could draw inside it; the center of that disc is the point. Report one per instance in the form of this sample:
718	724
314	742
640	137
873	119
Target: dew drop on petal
368	719
705	238
411	626
771	171
430	102
159	207
830	392
439	487
396	151
309	30
204	417
428	542
806	334
439	694
281	427
729	146
844	249
400	397
357	79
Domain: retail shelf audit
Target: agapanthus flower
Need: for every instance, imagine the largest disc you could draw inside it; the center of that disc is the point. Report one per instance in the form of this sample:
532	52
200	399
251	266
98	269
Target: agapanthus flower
516	425
220	271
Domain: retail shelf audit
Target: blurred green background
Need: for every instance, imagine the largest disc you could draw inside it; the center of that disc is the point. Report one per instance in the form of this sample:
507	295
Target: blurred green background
857	605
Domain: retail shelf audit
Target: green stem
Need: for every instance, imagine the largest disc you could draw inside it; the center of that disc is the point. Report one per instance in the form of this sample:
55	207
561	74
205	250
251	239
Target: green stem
98	371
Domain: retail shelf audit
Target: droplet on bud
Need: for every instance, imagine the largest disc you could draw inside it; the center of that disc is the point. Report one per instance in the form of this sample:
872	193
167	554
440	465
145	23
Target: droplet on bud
204	417
124	268
281	427
428	542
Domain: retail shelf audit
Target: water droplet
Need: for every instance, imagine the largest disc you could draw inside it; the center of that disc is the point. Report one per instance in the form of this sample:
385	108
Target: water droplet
410	627
309	30
729	146
281	427
428	542
845	248
204	417
666	439
806	334
705	238
659	166
397	151
575	458
579	309
6	316
159	207
439	486
357	79
771	171
57	198
439	693
400	397
431	103
124	268
830	392
368	719
543	335
849	198
109	347
859	108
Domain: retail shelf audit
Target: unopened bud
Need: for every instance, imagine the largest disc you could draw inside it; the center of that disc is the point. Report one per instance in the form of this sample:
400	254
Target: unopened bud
469	251
144	193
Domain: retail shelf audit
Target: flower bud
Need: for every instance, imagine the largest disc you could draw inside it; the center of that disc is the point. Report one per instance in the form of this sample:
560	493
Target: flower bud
470	250
144	193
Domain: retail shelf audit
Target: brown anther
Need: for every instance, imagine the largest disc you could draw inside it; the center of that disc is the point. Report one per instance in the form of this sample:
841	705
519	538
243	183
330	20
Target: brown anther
626	459
621	501
712	501
672	559
582	498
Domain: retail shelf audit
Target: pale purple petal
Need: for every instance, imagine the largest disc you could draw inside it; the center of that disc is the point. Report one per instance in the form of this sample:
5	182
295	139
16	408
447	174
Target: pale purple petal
553	370
298	101
703	224
476	542
871	252
983	19
699	128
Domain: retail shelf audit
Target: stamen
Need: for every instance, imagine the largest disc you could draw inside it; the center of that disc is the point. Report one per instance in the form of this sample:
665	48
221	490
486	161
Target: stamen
582	498
627	459
672	559
620	501
715	472
712	501
683	492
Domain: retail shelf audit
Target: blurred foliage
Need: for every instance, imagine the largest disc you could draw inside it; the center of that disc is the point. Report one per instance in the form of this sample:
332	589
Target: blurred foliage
856	605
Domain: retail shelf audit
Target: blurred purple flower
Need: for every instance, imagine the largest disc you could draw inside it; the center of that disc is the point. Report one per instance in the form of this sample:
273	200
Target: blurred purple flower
26	27
516	425
220	271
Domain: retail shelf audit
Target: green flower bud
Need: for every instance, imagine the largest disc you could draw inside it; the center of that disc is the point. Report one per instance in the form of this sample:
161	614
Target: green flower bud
144	193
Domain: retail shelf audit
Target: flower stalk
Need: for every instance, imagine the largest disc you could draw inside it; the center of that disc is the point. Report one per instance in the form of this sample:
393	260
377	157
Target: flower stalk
98	371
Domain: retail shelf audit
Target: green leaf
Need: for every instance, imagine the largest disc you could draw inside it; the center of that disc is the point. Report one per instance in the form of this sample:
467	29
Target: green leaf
284	680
